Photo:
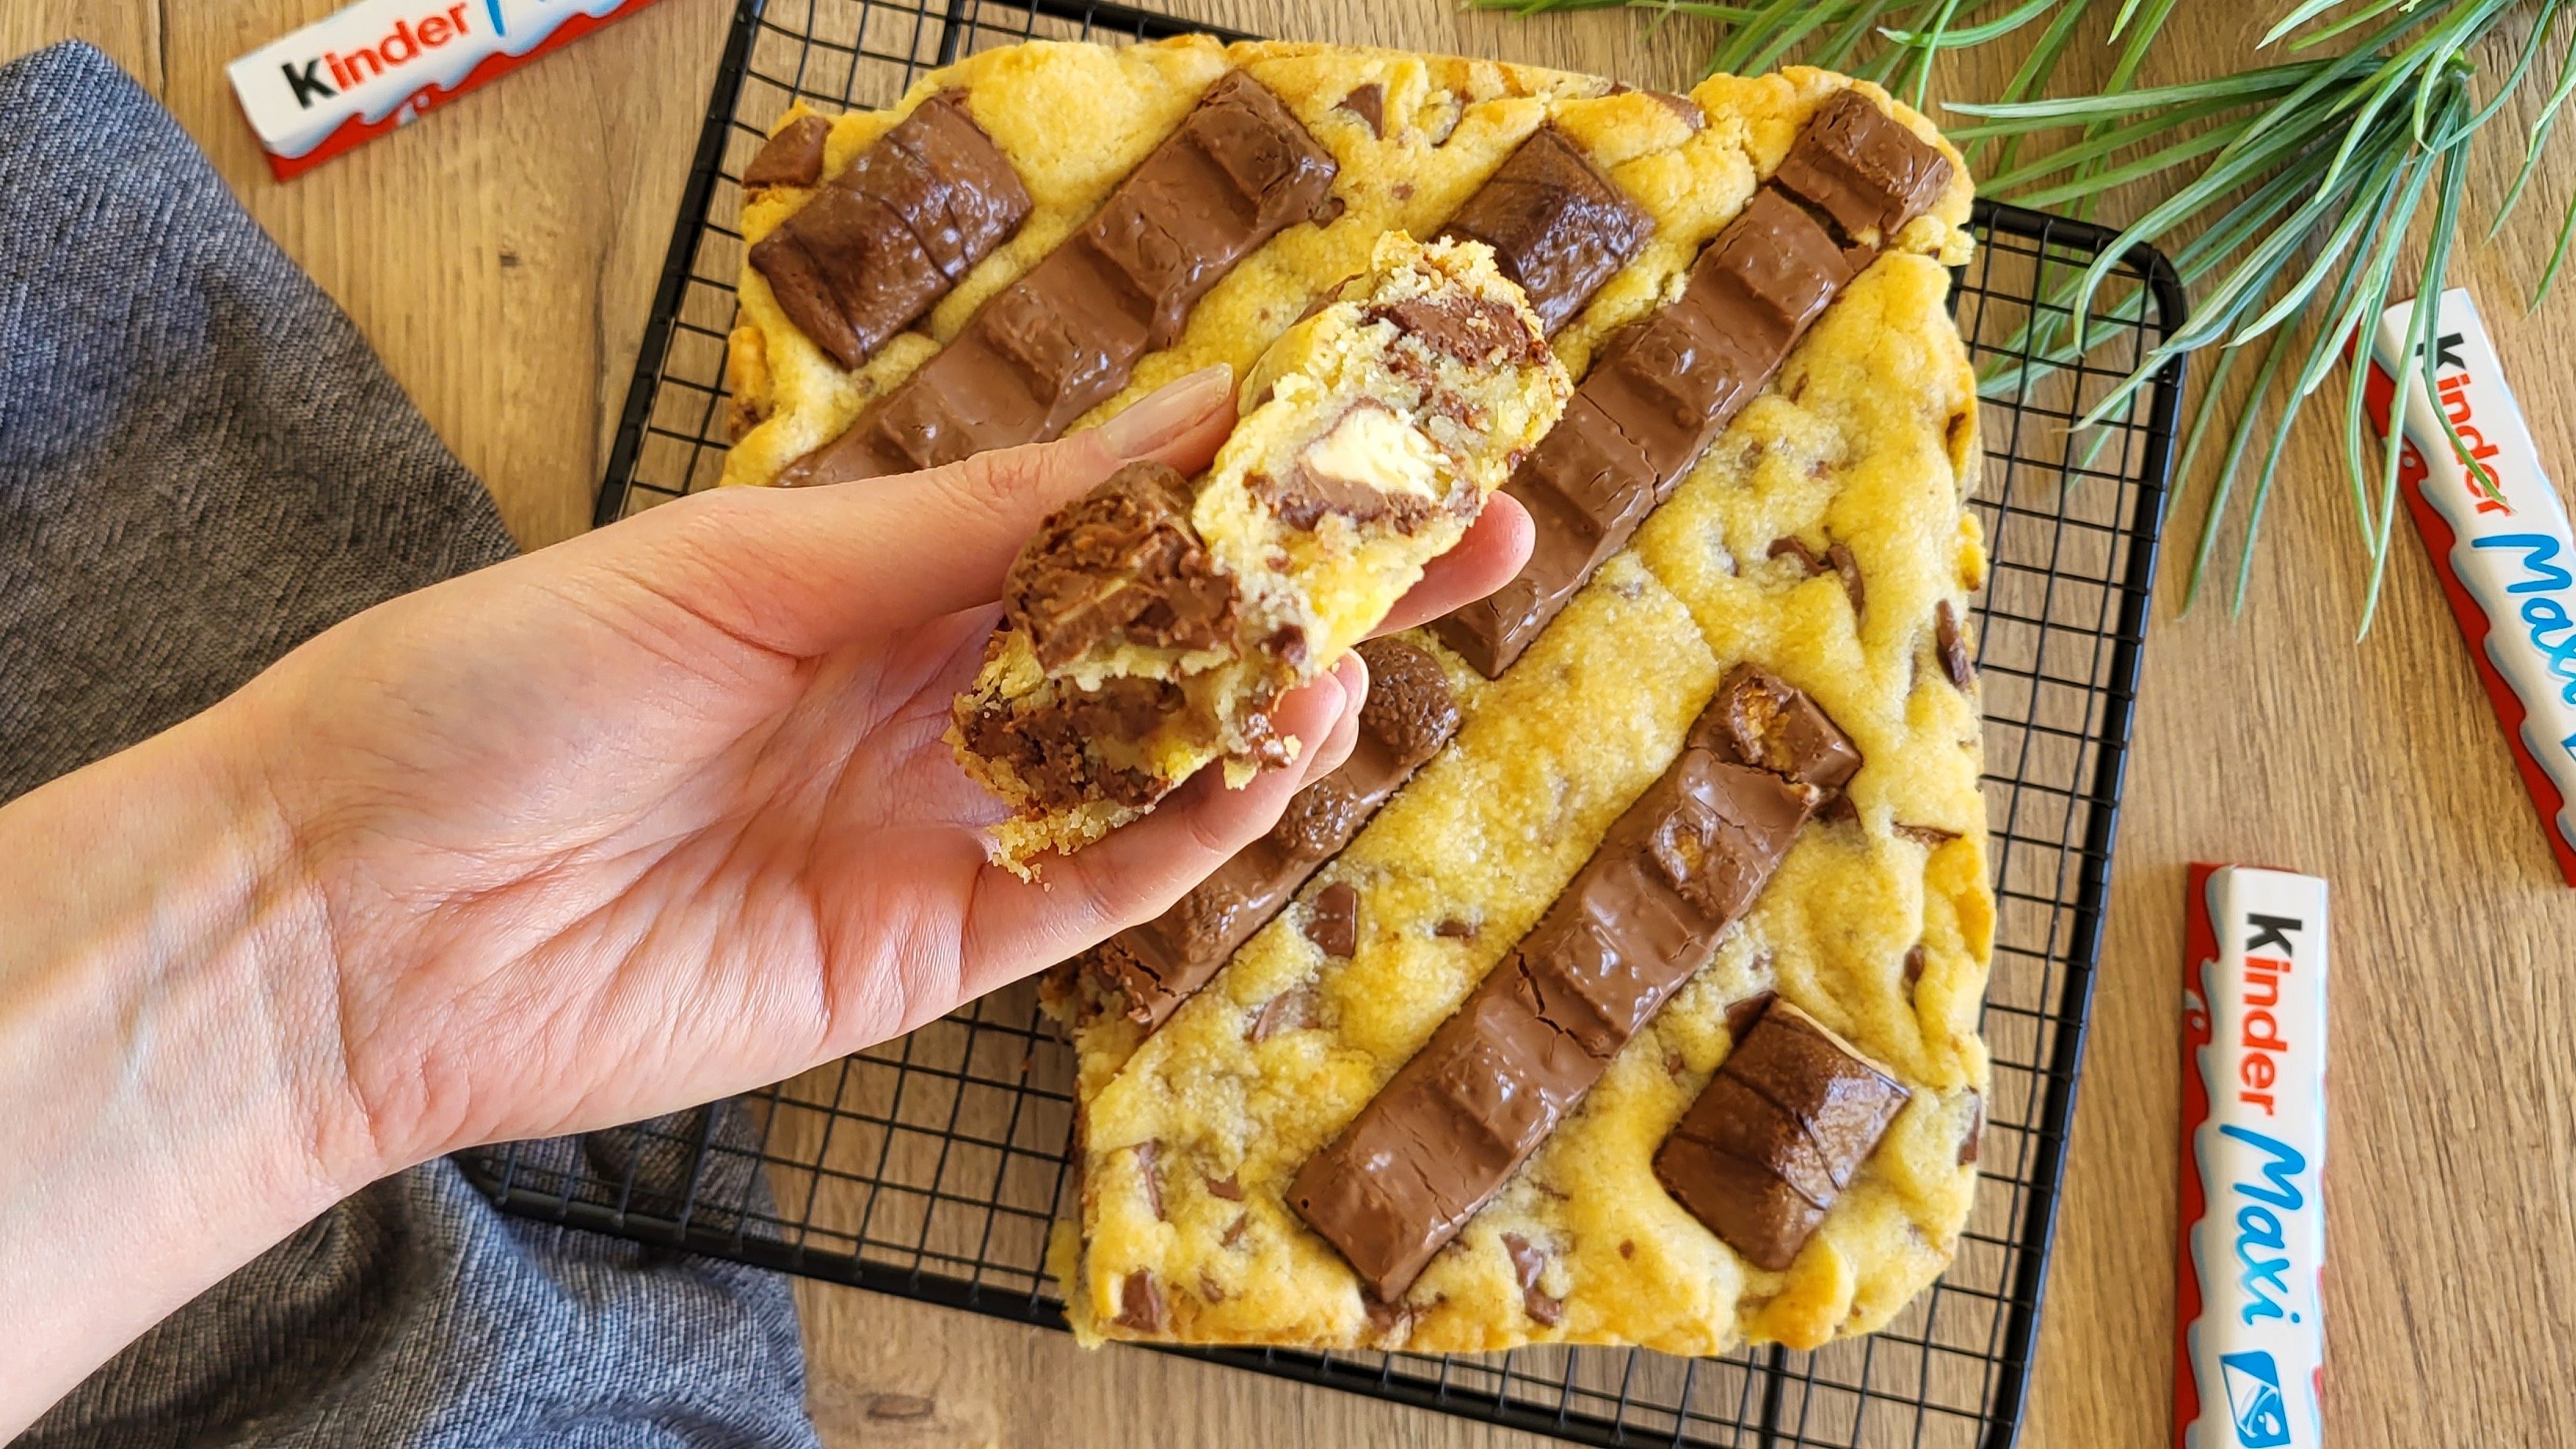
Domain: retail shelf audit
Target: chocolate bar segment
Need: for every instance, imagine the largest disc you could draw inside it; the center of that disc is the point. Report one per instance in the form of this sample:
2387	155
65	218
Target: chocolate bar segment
1766	722
1557	225
1408	717
1863	168
1777	1135
885	239
1661	390
1664	388
793	157
1066	337
1680	866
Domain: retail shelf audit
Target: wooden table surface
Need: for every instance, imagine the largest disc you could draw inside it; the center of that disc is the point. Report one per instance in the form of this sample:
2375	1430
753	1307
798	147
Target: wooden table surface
501	256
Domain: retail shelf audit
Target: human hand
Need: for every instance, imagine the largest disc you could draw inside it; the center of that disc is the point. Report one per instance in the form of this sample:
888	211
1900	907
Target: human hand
664	812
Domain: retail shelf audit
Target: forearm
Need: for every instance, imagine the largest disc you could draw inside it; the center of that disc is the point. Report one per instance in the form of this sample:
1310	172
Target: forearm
166	1045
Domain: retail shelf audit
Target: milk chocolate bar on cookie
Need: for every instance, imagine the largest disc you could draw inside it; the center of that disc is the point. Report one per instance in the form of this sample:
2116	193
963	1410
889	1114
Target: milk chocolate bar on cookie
1151	627
1752	555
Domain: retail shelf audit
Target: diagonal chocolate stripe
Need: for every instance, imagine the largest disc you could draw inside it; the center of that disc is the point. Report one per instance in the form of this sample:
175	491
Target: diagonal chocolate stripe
1559	228
1663	389
884	240
1065	337
1444	1134
1408	717
1777	1135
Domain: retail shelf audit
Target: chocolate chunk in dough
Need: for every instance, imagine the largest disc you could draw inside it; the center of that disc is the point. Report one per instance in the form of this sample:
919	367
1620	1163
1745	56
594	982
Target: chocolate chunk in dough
1958	661
1558	224
1930	837
1529	1262
1452	928
1228	1187
1048	744
1140	1304
1122	563
1291	1010
1777	1136
1764	721
1444	1134
1863	168
1854	588
1409	715
1368	102
1333	921
1913	966
1973	1141
874	248
1682	106
1066	336
1149	1170
793	157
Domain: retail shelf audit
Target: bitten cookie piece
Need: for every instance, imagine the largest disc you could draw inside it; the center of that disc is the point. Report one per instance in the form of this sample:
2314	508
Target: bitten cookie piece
1151	627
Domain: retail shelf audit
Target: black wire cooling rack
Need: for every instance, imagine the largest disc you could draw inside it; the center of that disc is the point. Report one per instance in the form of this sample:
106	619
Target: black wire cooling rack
931	1166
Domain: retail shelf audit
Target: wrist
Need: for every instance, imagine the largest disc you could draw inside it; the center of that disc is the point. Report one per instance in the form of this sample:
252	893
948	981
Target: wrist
167	1041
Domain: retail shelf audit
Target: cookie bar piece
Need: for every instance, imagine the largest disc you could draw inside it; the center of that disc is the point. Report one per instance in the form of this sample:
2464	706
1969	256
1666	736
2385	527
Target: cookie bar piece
1666	387
875	247
1442	1137
1149	970
1777	1135
1065	337
1152	626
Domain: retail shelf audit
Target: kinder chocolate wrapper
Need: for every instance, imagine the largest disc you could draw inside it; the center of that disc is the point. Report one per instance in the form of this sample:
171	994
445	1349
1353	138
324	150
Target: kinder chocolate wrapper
2249	1351
2500	542
352	76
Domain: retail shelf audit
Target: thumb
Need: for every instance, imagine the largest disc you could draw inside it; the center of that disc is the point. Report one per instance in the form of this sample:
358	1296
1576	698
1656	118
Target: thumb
801	571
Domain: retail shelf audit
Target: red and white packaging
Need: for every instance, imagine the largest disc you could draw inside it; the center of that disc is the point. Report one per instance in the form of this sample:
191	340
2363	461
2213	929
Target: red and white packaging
2249	1327
2500	543
353	76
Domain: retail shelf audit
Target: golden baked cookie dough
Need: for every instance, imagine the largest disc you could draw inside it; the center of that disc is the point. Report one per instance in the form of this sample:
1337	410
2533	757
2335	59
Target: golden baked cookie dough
1189	1135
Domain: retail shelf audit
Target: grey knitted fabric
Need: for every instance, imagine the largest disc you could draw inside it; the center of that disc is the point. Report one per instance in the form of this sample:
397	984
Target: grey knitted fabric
201	464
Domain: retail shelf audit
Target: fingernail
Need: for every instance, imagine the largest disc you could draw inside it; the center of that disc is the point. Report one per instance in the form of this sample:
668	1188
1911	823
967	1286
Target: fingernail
1167	412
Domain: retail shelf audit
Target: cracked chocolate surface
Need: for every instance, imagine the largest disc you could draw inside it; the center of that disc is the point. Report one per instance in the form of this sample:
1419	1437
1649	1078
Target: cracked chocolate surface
876	246
1777	1135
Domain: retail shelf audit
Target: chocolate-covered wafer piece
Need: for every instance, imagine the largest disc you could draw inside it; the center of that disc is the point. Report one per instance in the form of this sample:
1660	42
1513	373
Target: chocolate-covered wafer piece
1642	915
1863	168
1409	715
878	244
1558	226
1662	389
1065	337
1778	1134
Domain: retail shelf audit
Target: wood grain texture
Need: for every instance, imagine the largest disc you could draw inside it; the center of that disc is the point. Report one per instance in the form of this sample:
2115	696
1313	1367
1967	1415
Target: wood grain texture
501	257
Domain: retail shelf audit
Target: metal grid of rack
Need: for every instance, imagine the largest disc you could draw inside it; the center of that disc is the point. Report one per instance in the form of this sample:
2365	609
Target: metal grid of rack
932	1166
